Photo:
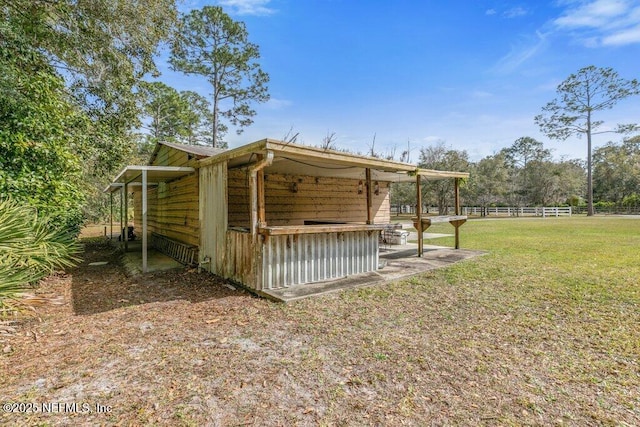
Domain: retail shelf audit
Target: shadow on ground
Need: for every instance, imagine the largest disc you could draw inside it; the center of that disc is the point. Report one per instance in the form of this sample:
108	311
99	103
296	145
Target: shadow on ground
100	288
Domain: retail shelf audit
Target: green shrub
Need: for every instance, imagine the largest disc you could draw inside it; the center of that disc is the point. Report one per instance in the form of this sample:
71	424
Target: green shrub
604	204
32	246
631	201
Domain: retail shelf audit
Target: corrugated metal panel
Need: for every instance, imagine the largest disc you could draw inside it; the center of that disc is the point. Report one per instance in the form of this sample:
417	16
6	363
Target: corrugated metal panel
306	258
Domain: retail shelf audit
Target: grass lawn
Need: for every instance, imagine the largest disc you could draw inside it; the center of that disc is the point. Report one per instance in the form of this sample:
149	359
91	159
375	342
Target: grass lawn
543	330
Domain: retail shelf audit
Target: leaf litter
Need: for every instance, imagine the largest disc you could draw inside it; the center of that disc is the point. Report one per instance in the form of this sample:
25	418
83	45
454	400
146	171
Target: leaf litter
181	348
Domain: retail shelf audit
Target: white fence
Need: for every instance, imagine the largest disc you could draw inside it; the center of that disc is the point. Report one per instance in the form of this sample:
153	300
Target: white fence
542	211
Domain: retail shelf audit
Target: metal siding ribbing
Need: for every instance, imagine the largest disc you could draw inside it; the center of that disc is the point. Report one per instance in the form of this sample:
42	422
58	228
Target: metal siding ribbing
307	258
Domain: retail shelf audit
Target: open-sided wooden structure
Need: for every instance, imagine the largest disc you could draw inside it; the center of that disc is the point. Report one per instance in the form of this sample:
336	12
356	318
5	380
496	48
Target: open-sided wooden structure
270	214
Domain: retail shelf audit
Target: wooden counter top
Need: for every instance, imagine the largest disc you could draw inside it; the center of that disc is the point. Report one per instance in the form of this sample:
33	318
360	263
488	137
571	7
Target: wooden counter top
324	228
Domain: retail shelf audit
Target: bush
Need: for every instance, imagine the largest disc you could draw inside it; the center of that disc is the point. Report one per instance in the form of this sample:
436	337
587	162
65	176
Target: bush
42	133
32	246
631	201
575	201
605	205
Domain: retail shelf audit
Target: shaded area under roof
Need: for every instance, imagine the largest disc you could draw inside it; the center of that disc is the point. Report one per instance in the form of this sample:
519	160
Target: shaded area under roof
155	174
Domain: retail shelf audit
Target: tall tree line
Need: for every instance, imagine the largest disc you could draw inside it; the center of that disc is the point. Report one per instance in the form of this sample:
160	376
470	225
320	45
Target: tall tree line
79	96
69	80
525	174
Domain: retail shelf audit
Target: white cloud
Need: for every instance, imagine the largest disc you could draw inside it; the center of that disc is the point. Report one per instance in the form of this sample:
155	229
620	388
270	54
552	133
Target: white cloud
521	53
247	7
515	12
594	14
277	104
481	94
602	22
628	36
433	139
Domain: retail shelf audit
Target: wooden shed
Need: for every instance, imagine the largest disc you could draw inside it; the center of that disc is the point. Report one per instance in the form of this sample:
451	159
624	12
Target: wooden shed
269	214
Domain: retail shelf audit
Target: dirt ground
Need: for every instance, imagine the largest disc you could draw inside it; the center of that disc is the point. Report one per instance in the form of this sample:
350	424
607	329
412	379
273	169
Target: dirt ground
182	348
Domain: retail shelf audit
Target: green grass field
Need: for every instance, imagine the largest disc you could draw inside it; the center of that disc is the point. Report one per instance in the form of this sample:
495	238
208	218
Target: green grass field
542	330
570	289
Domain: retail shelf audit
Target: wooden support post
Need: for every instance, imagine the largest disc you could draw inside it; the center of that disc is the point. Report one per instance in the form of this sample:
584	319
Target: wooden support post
256	192
457	224
126	217
253	201
457	194
111	214
369	196
419	215
456	187
121	216
144	221
262	220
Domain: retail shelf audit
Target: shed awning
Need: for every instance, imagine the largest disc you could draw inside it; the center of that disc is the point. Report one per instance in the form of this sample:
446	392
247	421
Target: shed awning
132	175
304	160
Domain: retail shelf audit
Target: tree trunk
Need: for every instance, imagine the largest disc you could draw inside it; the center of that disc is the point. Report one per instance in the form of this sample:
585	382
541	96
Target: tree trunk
214	121
590	210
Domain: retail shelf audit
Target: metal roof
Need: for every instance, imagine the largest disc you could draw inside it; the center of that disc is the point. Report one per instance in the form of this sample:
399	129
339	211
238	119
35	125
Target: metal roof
200	151
300	159
155	174
288	158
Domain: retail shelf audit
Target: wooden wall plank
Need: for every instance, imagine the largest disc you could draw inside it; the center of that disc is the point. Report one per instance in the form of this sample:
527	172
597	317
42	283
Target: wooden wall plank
213	216
312	198
173	207
168	156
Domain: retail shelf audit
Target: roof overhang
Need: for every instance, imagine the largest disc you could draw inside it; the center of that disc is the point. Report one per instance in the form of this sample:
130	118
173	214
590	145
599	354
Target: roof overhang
313	161
132	175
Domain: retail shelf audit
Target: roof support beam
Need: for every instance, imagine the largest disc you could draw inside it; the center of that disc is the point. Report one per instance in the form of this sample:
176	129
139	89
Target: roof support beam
144	221
369	196
111	215
456	189
256	191
126	217
419	215
121	239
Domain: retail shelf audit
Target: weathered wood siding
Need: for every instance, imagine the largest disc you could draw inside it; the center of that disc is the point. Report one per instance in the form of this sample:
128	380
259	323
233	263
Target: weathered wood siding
306	258
213	216
172	210
172	206
169	156
239	206
290	200
242	258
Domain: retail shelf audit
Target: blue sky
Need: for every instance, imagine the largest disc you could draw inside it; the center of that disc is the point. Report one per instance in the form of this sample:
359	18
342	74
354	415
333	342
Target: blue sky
470	73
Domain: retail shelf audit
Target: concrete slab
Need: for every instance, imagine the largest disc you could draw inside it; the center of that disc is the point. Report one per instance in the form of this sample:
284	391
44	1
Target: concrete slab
394	264
156	261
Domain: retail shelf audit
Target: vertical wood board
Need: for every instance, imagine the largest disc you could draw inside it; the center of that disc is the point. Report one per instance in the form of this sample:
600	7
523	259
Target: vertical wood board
213	216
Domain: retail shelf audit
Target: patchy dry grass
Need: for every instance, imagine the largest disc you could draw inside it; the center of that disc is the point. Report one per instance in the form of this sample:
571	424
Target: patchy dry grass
544	330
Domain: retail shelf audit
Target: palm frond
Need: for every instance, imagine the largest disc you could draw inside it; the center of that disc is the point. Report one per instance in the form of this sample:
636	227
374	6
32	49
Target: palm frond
31	247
